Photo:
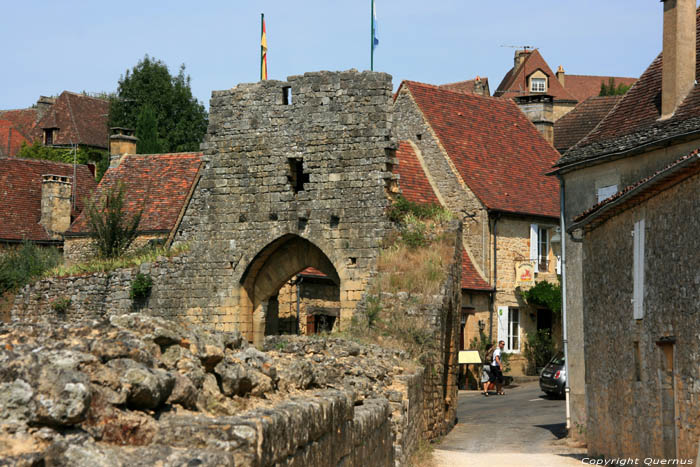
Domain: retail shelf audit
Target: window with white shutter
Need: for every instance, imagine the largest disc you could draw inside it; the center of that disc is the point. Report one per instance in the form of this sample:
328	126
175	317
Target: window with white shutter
638	270
502	324
534	230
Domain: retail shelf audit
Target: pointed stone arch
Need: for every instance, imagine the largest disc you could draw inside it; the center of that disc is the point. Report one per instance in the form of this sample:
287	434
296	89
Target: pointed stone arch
271	268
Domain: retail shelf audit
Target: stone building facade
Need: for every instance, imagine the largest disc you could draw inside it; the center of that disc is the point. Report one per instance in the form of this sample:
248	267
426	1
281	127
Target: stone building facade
494	180
632	142
650	279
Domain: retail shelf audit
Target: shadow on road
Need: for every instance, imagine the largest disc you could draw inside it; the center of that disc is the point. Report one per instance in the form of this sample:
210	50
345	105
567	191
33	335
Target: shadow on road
557	429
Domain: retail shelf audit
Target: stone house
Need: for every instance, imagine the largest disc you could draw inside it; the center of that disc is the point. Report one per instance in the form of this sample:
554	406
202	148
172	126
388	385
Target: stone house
651	279
158	185
67	120
40	199
654	124
544	96
486	162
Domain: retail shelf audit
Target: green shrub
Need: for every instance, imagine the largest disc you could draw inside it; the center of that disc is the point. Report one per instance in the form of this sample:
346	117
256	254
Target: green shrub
110	227
60	304
539	349
544	294
403	207
19	266
141	286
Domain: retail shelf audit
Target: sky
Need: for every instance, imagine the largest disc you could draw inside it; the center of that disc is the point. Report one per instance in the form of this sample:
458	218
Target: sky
52	46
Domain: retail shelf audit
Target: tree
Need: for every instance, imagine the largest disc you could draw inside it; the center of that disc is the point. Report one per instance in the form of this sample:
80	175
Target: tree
110	227
147	131
610	89
180	120
83	155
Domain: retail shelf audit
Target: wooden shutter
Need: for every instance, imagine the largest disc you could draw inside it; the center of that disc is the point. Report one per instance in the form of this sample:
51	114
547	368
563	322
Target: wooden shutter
558	264
638	270
310	324
533	246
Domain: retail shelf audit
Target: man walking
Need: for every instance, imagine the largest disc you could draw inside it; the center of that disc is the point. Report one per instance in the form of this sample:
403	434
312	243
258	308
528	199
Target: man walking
497	368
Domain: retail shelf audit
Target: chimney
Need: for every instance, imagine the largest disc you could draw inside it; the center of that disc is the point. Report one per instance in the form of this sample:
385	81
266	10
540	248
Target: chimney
560	75
121	142
520	56
55	204
678	75
478	86
43	105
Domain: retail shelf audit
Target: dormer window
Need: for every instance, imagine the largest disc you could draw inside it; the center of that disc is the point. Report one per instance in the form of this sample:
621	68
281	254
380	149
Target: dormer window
538	85
49	134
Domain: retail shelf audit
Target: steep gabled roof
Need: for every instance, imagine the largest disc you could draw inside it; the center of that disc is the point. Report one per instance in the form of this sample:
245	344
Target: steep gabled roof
575	125
80	120
160	184
17	127
20	191
497	151
468	85
416	188
414	183
639	192
634	123
514	83
584	86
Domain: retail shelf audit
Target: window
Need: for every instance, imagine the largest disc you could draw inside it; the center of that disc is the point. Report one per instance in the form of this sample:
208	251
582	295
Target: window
539	247
296	176
638	270
513	341
48	137
538	85
606	192
287	95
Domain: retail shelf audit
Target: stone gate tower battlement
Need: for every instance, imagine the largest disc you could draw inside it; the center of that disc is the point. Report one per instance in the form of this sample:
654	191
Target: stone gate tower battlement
297	174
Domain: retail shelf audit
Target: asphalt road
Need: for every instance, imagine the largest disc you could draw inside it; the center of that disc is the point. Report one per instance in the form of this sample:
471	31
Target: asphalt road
522	428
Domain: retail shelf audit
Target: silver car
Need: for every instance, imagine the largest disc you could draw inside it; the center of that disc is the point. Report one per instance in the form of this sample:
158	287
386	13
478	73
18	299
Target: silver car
553	376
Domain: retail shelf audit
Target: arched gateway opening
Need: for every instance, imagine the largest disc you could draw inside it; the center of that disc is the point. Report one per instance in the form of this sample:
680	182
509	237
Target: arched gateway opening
271	270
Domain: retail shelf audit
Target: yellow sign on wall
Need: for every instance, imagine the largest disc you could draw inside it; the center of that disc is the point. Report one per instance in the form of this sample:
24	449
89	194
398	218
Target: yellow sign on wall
524	273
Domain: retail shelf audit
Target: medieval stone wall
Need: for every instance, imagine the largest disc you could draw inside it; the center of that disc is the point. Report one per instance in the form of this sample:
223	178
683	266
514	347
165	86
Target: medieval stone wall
81	249
650	391
307	158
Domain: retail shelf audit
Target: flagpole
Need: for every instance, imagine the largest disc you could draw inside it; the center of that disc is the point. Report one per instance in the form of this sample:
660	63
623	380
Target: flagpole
371	15
262	26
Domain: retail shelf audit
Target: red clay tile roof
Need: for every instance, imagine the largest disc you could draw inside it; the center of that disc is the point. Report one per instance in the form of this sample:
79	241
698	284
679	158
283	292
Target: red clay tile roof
634	122
467	86
497	151
312	272
20	191
471	279
575	125
414	184
80	120
514	83
16	127
415	187
584	86
639	192
158	183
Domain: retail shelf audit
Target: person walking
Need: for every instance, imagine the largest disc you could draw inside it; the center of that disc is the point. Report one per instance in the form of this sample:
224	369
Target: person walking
486	369
497	368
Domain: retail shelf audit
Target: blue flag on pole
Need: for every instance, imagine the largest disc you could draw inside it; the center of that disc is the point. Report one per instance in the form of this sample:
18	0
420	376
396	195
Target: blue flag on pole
375	42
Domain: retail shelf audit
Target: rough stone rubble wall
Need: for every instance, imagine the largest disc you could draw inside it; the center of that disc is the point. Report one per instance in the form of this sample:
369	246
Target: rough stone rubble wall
628	421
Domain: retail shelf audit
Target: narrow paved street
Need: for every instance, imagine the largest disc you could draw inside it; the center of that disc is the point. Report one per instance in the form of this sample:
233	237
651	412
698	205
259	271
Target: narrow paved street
522	428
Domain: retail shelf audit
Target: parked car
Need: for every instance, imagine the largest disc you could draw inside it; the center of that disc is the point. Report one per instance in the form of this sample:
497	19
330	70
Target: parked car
553	376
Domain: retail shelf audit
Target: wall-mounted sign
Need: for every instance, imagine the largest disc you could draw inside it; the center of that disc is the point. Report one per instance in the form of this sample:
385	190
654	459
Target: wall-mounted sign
524	273
469	356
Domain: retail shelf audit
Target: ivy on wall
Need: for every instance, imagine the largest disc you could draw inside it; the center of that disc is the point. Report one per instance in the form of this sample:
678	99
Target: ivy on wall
544	294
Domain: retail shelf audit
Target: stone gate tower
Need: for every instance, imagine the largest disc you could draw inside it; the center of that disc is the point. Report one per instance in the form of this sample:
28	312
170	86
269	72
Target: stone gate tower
297	174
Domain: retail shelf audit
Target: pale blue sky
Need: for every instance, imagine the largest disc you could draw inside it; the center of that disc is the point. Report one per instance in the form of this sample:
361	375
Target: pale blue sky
51	46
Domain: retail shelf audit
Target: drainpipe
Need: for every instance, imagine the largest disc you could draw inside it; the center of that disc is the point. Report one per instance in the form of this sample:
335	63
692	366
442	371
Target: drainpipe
562	220
495	274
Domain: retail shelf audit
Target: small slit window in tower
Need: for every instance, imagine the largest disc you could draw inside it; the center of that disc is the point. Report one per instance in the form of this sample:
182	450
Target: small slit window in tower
287	95
297	177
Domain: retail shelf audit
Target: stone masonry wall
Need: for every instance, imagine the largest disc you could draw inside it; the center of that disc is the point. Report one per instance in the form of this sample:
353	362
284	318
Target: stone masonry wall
636	419
80	249
336	128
